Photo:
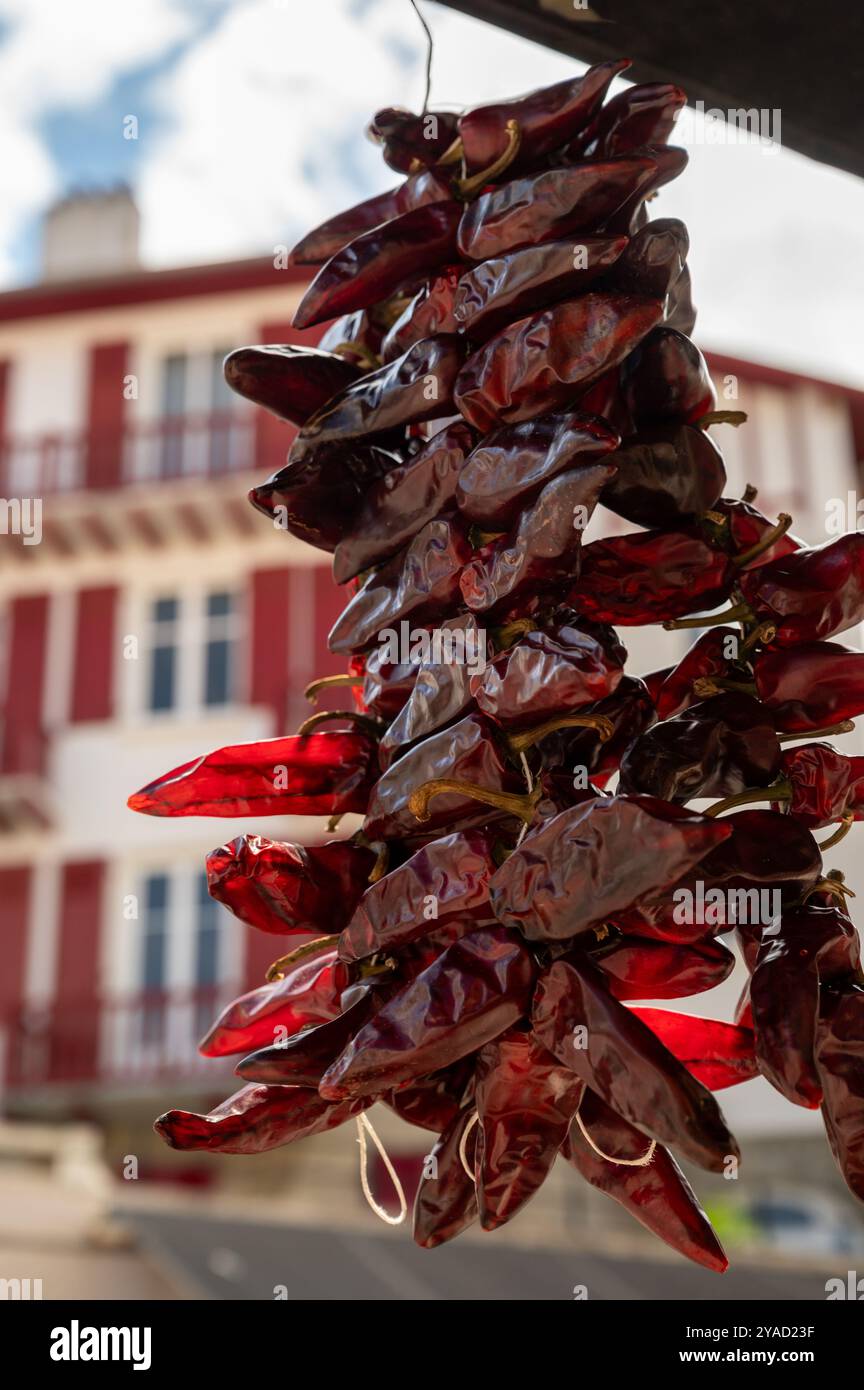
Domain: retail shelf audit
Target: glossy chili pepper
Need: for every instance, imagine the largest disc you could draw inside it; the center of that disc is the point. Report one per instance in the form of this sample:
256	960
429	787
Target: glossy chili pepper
715	748
667	475
546	119
403	501
718	1054
302	1058
430	312
656	1193
433	1102
548	206
446	880
387	685
293	382
441	694
710	656
419	583
408	140
667	378
536	364
418	386
469	751
289	889
669	162
680	310
325	241
642	968
380	261
322	774
629	710
651	576
812	594
473	991
525	1101
812	685
508	287
742	529
308	994
549	673
446	1201
255	1119
655	680
605	399
653	259
543	550
507	470
620	1058
840	1064
595	860
819	785
319	491
357	337
640	115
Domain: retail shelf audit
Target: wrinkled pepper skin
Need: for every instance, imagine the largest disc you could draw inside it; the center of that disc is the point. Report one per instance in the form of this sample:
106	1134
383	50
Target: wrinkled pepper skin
538	363
658	1194
319	492
380	261
717	748
840	1064
653	260
433	1102
709	656
446	1203
420	583
255	1119
811	685
291	382
825	785
667	378
508	287
668	475
301	1059
744	526
468	995
547	674
441	693
651	576
309	994
525	1101
387	685
334	234
415	387
642	968
402	502
620	1058
320	774
450	875
288	889
718	1054
407	139
513	464
641	115
548	206
811	594
630	710
430	312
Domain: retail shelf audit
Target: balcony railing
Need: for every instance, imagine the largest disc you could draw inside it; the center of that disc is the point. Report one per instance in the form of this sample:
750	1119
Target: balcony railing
207	444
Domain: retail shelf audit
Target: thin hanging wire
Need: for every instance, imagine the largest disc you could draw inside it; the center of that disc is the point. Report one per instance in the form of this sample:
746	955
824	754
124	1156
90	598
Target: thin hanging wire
429	45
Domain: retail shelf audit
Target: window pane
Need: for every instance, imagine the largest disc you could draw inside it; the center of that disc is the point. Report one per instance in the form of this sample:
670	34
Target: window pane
162	673
174	385
207	936
165	610
155	932
218	605
217	672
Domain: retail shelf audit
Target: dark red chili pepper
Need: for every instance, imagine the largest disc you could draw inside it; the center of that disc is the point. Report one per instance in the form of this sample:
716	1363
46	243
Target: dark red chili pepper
289	889
656	1193
549	206
446	880
507	287
255	1119
433	1102
323	242
403	501
653	259
680	310
667	378
387	684
715	748
546	119
307	995
544	548
357	337
812	594
473	991
669	162
644	114
303	1058
322	774
596	860
709	656
549	673
446	1198
408	139
840	1064
651	576
293	382
820	785
380	261
507	470
642	968
605	399
812	685
718	1054
655	680
418	386
629	710
430	312
620	1058
667	475
537	363
525	1101
419	583
742	527
441	694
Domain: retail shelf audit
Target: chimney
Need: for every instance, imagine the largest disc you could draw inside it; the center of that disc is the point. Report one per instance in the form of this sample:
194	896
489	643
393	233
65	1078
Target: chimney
90	234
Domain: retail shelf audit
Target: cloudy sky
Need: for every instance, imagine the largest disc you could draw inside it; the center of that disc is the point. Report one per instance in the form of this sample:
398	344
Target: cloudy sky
250	117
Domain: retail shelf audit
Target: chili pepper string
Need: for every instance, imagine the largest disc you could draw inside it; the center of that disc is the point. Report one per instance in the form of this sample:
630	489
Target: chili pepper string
463	1146
641	1162
364	1126
429	47
530	783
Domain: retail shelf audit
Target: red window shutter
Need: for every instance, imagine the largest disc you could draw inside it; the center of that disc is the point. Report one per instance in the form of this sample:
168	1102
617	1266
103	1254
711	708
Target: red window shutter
330	600
93	674
23	739
109	364
270	590
15	889
261	951
76	1012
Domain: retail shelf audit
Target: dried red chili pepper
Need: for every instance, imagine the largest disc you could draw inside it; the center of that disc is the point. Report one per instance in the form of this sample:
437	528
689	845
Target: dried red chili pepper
651	576
596	860
430	312
289	889
549	673
710	656
629	710
380	261
255	1119
669	162
321	774
303	1058
811	594
536	364
742	528
840	1064
667	378
403	501
718	1054
656	1193
407	139
387	685
549	205
473	991
824	785
620	1058
292	382
642	968
525	1101
644	114
308	994
433	1102
667	475
812	685
446	1201
441	694
325	241
653	259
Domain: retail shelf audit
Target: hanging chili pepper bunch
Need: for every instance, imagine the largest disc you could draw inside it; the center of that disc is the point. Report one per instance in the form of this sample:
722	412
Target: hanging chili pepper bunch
510	351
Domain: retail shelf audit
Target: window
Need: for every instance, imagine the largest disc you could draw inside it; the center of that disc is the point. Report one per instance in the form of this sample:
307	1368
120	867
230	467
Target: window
154	955
207	934
164	620
199	411
173	410
193	651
